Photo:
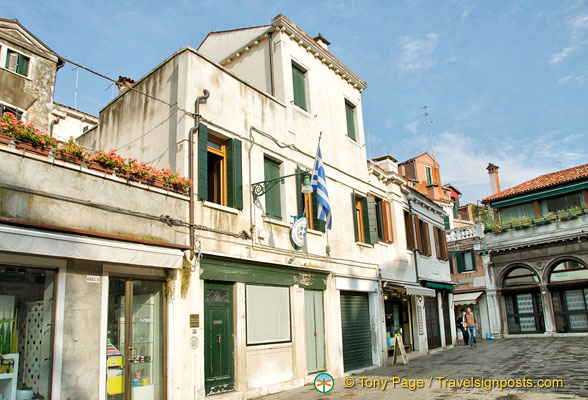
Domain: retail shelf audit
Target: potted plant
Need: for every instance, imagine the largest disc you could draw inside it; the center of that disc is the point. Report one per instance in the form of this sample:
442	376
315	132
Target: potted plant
106	162
575	211
25	135
71	151
545	219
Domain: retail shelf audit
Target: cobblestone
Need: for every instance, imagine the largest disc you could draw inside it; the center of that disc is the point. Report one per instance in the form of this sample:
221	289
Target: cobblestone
532	358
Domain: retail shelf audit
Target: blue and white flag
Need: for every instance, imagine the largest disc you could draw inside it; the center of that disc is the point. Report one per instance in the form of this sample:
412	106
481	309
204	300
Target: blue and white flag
319	183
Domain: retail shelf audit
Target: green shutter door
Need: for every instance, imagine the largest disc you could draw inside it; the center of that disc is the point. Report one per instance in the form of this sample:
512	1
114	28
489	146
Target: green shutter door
299	87
23	65
273	207
234	174
350	120
315	330
202	162
370	220
459	258
355	326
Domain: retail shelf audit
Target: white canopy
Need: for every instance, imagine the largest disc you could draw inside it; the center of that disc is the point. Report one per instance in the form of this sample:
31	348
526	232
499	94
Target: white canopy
419	291
462	299
34	242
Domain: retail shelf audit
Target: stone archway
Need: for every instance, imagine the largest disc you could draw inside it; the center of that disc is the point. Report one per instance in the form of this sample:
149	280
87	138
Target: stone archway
568	284
522	299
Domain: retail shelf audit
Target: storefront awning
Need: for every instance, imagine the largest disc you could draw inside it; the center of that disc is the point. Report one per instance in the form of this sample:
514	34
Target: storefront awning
440	286
419	291
34	242
462	299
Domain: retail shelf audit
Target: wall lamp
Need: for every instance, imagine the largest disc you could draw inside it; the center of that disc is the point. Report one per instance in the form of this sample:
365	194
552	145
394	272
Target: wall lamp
420	298
260	188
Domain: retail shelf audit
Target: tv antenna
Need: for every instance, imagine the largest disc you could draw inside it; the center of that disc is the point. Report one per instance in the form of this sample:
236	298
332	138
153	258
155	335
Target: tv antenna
429	124
76	89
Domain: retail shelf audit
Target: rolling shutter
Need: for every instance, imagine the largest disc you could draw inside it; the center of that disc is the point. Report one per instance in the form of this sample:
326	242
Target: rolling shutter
355	326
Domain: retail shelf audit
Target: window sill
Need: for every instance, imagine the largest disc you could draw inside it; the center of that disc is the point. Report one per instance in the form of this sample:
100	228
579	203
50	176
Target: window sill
317	233
219	207
17	74
355	142
268	346
362	244
301	110
276	222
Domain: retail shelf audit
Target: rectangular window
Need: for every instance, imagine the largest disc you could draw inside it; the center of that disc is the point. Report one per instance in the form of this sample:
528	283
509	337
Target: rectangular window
440	244
517	211
299	86
268	314
409	230
219	177
273	201
384	220
365	219
425	238
350	116
17	62
465	261
359	234
307	205
5	109
428	175
561	203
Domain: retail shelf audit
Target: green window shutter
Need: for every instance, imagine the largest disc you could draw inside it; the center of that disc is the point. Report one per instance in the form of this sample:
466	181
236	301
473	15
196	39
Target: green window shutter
318	224
460	264
447	222
299	194
273	206
202	162
22	65
380	219
429	176
299	87
234	174
354	216
451	261
370	224
349	114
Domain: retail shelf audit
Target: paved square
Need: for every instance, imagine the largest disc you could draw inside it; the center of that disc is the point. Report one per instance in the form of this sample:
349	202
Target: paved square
513	358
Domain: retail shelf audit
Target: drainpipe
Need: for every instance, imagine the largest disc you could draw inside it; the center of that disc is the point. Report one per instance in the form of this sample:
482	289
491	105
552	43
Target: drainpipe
271	64
414	253
193	131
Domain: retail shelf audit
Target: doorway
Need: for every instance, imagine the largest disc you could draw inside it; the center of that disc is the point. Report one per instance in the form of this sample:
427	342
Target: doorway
315	330
432	319
135	346
218	338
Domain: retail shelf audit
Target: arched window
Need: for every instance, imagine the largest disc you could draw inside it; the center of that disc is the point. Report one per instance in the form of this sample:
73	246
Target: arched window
568	270
520	276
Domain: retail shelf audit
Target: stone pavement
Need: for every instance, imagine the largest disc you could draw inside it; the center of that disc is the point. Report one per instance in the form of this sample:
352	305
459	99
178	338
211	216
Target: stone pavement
510	358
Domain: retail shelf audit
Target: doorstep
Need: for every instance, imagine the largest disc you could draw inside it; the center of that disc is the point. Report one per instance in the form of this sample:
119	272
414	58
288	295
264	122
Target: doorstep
234	395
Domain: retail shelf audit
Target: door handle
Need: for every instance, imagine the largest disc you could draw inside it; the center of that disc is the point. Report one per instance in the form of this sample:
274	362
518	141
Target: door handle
218	338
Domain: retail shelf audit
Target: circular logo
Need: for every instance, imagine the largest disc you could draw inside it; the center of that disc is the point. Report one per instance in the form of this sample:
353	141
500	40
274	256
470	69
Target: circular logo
324	383
298	231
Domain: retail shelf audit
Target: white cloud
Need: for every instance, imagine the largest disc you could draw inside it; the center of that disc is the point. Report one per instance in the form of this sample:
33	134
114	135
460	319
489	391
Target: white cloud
578	27
562	55
417	53
580	80
412	126
564	80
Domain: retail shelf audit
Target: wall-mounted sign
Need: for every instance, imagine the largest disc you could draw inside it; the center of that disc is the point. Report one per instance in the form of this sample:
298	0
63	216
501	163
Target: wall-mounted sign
298	232
92	278
194	320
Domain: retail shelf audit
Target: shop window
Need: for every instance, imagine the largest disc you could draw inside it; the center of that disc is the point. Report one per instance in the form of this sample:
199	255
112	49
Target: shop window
364	219
17	62
219	169
307	205
273	200
350	117
268	314
520	276
299	86
26	328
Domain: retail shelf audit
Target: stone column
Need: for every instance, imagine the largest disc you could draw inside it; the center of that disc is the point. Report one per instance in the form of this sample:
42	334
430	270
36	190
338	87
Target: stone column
547	310
441	318
493	304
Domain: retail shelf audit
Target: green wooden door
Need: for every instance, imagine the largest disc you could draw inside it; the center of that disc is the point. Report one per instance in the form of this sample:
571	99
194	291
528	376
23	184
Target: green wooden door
355	326
315	330
218	338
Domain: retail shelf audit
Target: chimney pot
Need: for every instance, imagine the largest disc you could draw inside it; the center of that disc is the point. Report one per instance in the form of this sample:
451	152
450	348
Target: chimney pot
493	175
322	41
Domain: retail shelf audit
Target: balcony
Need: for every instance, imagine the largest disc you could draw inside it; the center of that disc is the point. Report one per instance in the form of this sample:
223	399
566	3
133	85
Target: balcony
467	232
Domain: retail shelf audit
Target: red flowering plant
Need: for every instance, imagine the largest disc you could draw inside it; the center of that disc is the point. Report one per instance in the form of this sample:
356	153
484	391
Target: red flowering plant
24	132
173	178
139	169
110	160
72	148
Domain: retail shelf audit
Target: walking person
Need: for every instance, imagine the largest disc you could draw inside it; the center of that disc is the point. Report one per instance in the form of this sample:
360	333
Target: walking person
461	321
472	326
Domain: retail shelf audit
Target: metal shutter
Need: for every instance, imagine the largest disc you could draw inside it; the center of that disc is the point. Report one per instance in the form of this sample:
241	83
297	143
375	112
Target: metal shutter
355	324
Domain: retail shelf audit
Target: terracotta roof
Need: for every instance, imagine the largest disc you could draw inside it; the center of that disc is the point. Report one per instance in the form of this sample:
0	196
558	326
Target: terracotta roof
543	181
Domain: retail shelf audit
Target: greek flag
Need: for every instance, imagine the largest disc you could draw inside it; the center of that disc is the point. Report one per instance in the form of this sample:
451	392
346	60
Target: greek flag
319	183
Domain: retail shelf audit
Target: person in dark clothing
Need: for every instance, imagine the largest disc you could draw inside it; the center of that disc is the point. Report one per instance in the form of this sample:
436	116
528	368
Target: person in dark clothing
460	324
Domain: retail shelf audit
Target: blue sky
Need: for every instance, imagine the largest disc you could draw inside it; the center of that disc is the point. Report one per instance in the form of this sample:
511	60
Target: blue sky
504	81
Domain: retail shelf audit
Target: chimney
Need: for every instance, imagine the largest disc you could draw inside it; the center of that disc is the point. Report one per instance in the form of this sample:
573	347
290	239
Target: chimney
324	43
123	83
494	182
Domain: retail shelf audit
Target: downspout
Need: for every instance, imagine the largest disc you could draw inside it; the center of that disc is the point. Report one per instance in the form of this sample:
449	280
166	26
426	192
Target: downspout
414	253
194	130
271	64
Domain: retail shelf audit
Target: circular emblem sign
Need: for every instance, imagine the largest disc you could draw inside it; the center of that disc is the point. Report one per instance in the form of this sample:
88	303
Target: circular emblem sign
298	231
324	383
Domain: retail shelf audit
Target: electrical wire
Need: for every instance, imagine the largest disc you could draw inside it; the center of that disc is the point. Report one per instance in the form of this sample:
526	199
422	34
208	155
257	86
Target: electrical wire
149	131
